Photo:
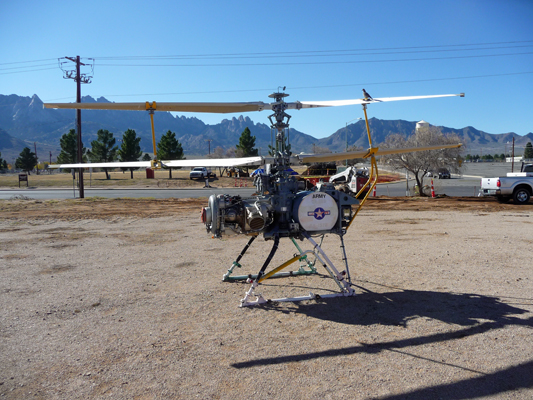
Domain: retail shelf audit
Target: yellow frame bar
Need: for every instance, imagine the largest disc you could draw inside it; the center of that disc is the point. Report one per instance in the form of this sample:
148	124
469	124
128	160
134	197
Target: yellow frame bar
284	265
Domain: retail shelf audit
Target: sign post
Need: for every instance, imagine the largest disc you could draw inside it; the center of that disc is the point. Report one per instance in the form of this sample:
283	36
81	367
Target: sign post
23	178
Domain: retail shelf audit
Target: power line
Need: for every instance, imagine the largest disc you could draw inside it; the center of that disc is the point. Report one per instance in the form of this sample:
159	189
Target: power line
312	87
295	54
30	70
278	53
27	62
28	66
316	62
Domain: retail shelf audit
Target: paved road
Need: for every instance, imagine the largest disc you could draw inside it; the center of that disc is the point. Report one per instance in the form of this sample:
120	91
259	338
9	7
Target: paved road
48	194
451	187
465	185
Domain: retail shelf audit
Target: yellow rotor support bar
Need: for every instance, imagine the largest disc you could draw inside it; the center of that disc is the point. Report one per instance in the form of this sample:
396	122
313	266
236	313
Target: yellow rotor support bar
374	173
151	107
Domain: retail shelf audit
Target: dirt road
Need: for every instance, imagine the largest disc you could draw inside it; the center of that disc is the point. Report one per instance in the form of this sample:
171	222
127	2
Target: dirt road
123	299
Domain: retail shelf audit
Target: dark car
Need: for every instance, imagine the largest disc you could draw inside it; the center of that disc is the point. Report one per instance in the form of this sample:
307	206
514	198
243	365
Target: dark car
444	173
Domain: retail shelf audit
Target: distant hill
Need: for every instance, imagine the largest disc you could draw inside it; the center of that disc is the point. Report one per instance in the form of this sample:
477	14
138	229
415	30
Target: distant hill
475	141
11	147
25	121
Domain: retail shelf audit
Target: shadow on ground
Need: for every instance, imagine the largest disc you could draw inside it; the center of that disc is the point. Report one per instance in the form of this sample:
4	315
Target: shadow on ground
474	314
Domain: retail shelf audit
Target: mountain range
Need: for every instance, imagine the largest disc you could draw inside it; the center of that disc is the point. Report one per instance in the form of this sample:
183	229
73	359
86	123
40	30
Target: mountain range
24	122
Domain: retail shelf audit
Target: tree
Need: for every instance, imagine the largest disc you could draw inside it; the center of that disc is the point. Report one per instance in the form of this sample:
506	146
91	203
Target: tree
130	150
146	157
27	160
103	148
419	163
69	149
245	148
3	163
169	148
528	151
218	152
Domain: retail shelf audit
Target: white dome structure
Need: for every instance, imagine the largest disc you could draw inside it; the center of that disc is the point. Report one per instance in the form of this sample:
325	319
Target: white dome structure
422	124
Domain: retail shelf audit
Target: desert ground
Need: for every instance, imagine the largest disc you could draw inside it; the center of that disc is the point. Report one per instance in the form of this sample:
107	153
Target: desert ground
124	299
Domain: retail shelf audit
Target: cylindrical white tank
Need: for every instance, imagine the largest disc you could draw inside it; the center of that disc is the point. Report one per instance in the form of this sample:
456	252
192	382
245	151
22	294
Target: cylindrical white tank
422	124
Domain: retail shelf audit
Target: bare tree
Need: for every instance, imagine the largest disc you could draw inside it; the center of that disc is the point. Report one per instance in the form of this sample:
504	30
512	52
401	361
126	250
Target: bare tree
218	152
420	163
321	150
232	153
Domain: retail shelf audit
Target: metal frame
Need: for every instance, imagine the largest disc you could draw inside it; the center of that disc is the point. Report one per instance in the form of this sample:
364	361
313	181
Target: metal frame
302	256
342	279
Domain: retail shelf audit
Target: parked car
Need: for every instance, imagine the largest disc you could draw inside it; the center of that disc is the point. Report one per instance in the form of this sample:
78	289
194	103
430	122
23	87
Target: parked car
444	173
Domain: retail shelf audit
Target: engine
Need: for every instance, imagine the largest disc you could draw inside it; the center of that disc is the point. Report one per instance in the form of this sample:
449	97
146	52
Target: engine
248	216
280	209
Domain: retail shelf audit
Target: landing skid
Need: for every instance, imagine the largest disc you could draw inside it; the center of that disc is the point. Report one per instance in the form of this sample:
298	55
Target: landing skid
307	267
252	298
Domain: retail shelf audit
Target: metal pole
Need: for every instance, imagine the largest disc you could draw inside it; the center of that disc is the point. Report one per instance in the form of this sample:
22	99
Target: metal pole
406	183
346	150
36	158
78	126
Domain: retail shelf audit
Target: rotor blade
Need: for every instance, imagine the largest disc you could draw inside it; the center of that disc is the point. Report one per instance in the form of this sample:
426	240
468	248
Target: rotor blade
216	162
221	108
311	158
213	162
127	164
335	103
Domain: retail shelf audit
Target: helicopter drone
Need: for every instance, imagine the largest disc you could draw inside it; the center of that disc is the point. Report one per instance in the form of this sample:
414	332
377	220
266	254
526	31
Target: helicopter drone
281	207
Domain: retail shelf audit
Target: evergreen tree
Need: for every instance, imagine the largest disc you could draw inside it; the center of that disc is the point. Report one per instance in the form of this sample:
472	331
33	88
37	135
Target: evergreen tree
245	148
169	148
2	162
103	148
130	150
146	157
27	160
528	151
69	149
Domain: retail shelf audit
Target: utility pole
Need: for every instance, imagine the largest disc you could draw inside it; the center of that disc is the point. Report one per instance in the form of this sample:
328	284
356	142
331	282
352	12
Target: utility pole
36	158
79	78
209	142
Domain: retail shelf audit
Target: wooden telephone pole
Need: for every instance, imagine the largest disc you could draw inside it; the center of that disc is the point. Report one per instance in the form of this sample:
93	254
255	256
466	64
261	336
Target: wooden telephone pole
79	78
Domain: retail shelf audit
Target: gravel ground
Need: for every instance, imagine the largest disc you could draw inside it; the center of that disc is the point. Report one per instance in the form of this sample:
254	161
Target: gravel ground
130	305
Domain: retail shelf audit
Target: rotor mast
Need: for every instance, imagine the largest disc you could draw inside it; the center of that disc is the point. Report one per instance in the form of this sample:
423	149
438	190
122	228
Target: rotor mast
281	156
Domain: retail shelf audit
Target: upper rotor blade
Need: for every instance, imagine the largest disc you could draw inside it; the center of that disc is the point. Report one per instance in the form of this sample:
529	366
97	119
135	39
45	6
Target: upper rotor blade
223	108
366	153
335	103
183	107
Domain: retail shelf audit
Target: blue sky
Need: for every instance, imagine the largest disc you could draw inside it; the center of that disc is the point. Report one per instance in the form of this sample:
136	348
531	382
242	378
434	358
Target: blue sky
245	50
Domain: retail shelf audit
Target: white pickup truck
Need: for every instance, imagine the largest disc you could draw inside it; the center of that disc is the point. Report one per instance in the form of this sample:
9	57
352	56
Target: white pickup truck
201	173
516	185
